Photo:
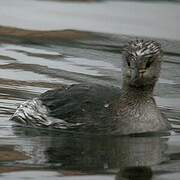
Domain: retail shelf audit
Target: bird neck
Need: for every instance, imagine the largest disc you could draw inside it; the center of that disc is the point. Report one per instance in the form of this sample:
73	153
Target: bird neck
138	92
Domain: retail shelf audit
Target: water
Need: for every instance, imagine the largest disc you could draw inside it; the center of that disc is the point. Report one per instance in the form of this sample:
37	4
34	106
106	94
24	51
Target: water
48	44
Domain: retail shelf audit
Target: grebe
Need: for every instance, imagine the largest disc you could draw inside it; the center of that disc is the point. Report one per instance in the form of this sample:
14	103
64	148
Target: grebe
97	109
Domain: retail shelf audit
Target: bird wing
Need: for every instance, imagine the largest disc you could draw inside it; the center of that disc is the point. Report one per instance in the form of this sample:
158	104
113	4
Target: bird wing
79	102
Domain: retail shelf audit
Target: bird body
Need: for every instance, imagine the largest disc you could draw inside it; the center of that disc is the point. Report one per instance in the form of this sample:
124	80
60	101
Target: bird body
97	109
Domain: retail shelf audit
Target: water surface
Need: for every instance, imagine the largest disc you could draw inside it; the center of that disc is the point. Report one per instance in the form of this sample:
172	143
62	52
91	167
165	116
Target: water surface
49	44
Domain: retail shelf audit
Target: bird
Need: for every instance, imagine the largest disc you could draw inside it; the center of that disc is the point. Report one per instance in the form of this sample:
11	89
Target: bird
103	109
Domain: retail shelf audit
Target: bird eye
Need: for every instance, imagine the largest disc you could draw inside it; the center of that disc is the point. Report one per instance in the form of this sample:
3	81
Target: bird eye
149	62
128	62
128	59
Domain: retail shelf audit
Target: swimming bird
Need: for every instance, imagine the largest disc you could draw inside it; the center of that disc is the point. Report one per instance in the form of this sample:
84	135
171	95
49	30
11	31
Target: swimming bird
97	109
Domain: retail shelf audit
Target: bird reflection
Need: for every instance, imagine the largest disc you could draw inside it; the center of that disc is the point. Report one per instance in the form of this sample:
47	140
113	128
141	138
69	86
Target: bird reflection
126	157
135	173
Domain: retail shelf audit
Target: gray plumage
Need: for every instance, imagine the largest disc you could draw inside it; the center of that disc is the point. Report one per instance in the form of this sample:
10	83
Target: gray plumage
93	108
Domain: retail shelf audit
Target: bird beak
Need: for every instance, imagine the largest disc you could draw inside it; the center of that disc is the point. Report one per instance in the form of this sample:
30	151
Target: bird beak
141	73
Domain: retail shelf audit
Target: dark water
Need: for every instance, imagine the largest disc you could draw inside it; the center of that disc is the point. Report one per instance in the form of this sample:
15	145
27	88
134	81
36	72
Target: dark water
47	44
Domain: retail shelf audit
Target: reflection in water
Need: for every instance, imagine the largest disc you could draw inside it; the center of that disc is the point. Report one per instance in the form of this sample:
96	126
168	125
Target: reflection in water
9	155
135	173
127	157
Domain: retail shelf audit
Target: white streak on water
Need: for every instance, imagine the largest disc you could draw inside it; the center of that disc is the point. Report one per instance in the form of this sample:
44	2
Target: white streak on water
72	64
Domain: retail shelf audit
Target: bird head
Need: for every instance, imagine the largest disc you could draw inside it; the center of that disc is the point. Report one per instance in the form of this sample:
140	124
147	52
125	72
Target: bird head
142	63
